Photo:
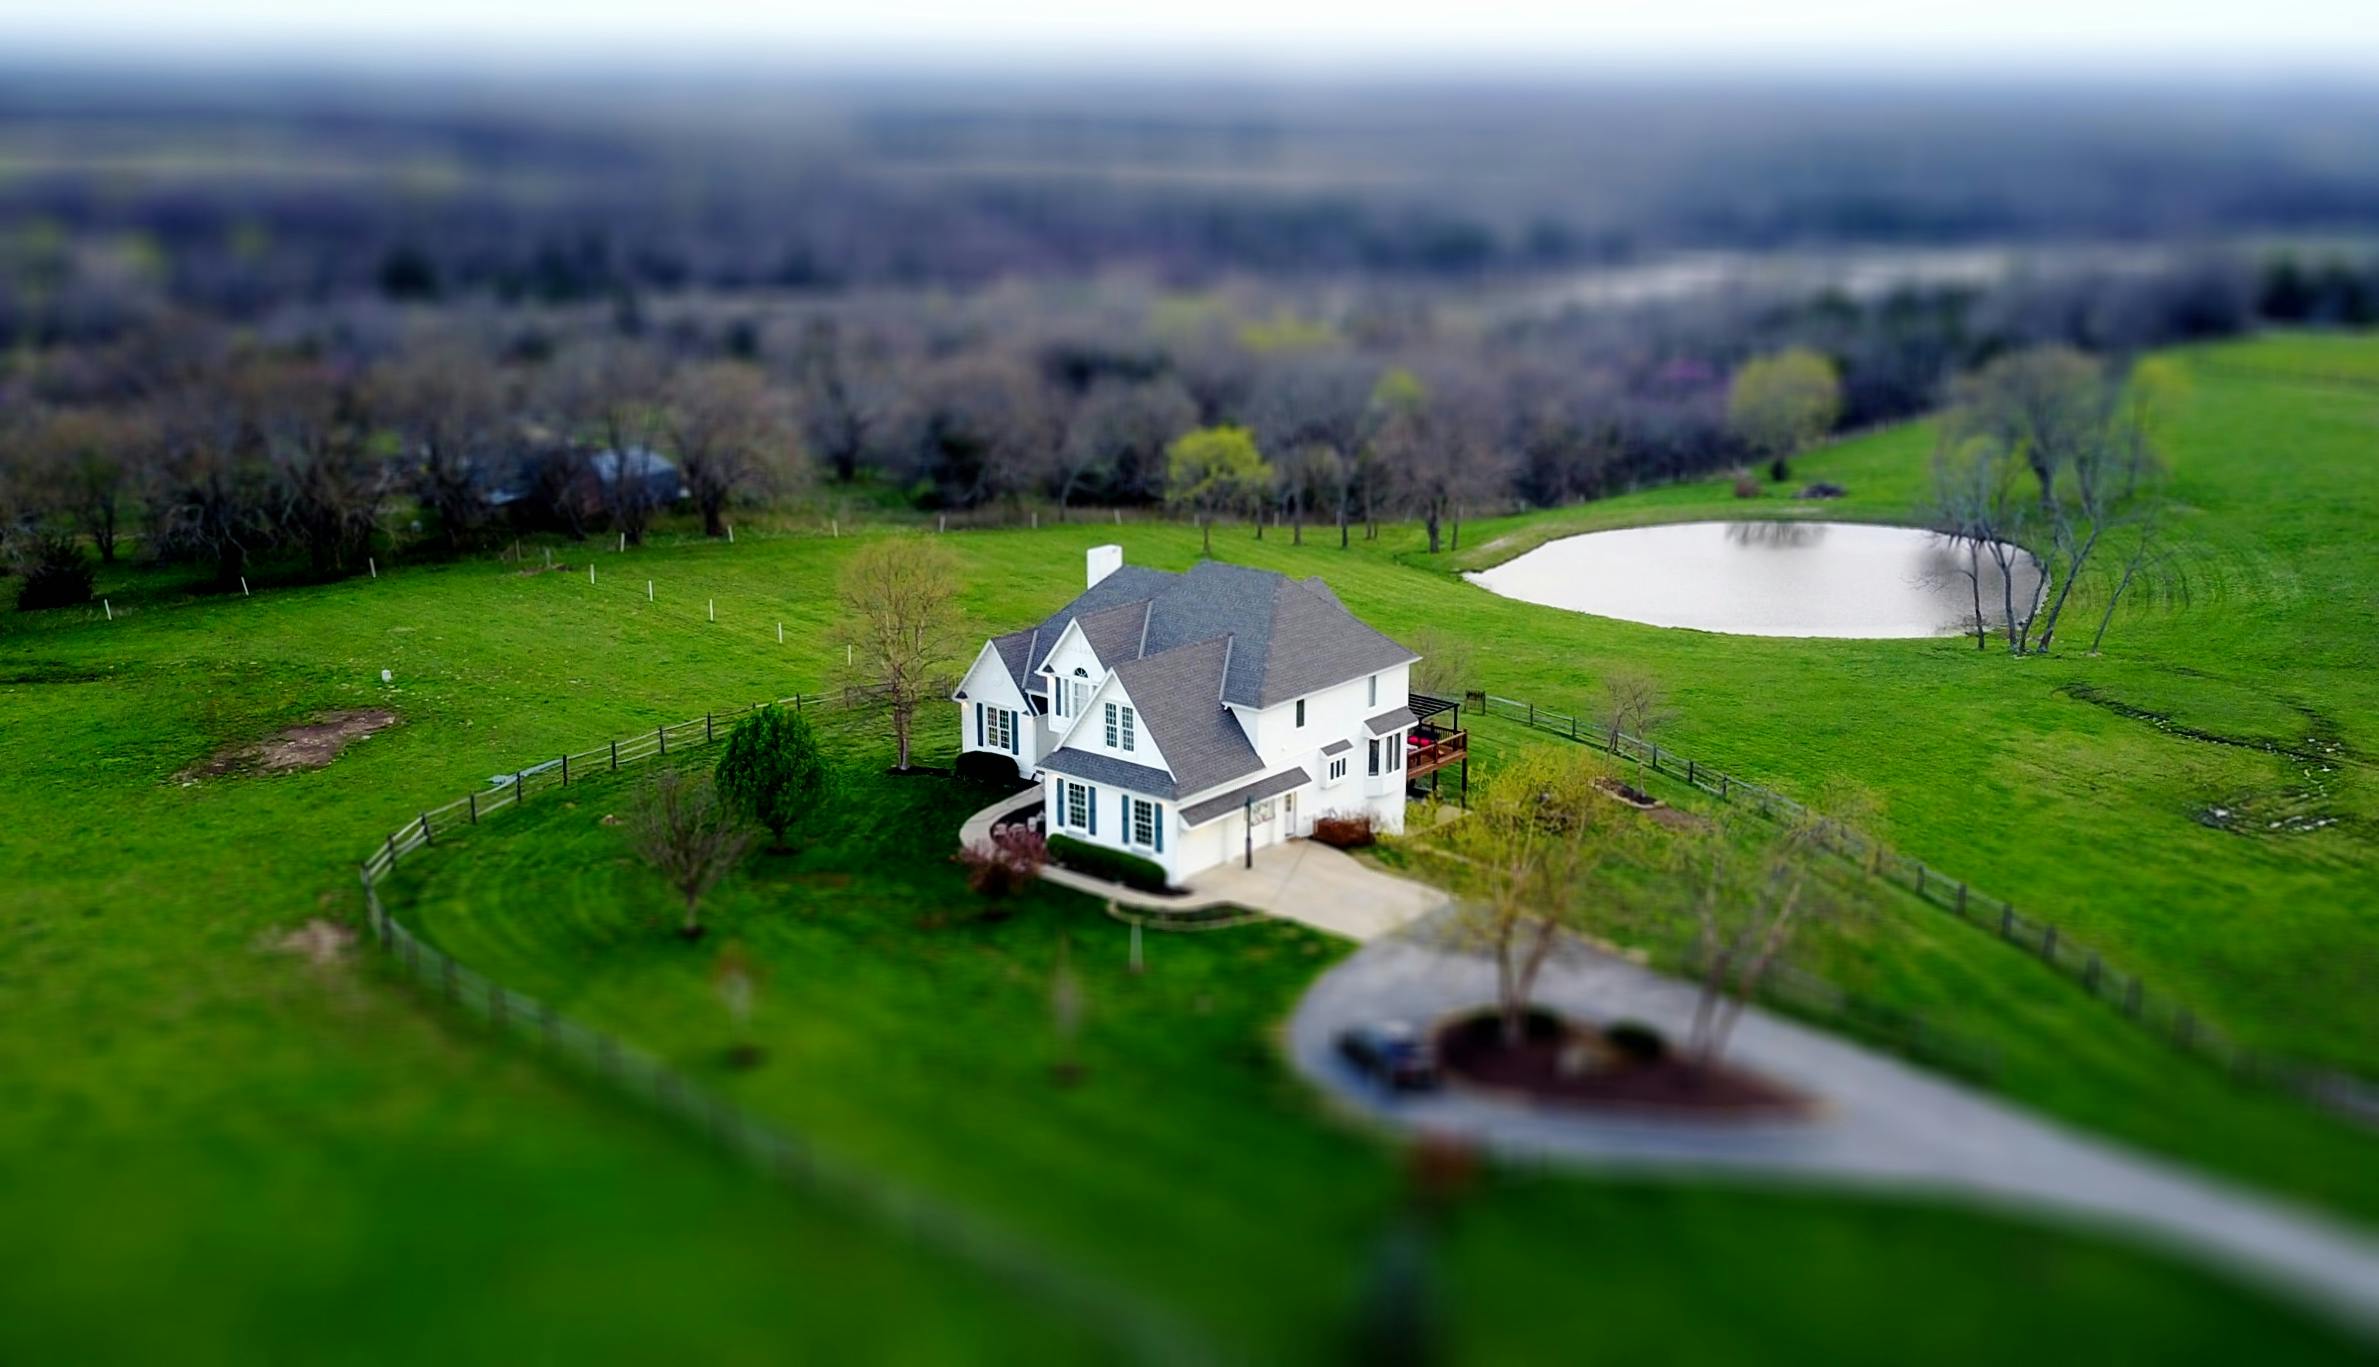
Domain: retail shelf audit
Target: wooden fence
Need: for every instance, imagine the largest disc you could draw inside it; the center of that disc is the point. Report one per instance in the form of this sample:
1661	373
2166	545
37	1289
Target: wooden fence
2161	1012
1136	1328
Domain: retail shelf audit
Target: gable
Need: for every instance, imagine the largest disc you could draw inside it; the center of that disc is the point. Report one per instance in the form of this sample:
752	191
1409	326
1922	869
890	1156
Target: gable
1089	731
987	680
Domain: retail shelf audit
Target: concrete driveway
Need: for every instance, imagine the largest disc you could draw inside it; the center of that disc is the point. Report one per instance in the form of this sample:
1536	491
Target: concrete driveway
1884	1123
1315	885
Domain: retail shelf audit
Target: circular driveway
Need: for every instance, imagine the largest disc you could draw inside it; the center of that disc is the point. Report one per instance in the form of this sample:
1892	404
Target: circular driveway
1883	1123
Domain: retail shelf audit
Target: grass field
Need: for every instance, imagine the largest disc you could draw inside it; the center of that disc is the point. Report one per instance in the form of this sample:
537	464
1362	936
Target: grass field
230	1151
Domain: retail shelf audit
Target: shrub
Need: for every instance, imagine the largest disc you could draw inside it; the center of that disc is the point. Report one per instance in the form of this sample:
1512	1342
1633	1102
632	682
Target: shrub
1011	858
1346	830
1746	487
56	573
1114	865
1779	471
1636	1041
772	772
987	769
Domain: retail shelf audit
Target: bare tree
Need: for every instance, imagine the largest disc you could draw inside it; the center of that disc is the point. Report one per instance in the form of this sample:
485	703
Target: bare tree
1536	839
1119	428
1976	505
2046	405
690	837
900	621
609	391
332	488
448	404
86	457
2149	560
841	403
729	434
1633	703
209	496
983	426
1744	920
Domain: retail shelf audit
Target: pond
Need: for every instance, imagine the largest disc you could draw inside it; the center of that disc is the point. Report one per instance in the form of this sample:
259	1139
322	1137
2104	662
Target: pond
1840	579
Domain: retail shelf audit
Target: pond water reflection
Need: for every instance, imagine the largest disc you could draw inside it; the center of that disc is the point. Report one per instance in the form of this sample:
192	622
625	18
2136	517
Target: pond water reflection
1840	579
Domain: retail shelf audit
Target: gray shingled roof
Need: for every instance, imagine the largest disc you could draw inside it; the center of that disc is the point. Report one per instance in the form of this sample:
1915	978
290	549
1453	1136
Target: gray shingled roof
1394	719
1114	633
1338	747
1015	651
1178	694
1098	768
1198	814
1130	584
1185	644
1290	636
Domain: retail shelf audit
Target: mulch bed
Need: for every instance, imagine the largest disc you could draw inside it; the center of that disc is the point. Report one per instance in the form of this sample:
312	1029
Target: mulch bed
1569	1065
1630	795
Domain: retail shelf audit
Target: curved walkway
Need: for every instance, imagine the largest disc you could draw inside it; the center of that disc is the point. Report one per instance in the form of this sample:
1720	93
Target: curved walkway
1299	880
1885	1123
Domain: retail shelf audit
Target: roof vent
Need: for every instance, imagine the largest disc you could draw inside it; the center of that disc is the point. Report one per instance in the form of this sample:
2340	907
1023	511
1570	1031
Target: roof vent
1104	560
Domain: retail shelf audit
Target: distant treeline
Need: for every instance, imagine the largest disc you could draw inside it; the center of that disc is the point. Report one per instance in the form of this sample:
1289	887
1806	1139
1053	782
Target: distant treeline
354	423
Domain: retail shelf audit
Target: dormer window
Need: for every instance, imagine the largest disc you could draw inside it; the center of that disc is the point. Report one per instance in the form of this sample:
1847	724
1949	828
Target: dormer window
1069	696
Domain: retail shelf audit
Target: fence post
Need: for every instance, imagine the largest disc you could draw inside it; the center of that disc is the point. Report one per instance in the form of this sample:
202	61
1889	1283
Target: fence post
2048	943
2090	975
473	795
663	733
1920	878
707	735
1723	784
1961	899
1656	759
615	756
516	777
1532	714
392	849
2007	921
425	828
565	770
1689	771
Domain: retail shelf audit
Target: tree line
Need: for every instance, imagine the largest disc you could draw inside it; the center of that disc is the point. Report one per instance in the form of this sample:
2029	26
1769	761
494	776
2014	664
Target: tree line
348	428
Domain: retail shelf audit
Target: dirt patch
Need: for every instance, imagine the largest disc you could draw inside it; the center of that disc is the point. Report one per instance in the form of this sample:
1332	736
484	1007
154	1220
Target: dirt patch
307	746
1563	1064
319	941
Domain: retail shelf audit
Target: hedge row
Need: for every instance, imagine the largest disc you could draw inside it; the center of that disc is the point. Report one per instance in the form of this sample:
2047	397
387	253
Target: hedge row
1113	865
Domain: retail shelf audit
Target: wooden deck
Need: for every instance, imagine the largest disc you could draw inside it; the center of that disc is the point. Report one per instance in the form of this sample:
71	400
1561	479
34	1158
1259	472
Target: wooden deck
1430	749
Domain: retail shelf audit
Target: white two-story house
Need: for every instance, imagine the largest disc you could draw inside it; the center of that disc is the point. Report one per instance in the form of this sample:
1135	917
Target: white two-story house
1196	717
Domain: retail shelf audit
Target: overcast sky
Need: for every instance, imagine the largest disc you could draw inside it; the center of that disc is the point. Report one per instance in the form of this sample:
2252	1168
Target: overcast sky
2006	36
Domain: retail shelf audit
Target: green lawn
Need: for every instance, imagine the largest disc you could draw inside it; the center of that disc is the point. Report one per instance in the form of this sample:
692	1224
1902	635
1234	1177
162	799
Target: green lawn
228	1151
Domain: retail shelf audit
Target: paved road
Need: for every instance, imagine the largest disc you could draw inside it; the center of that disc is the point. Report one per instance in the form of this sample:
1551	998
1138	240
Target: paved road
1885	1124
